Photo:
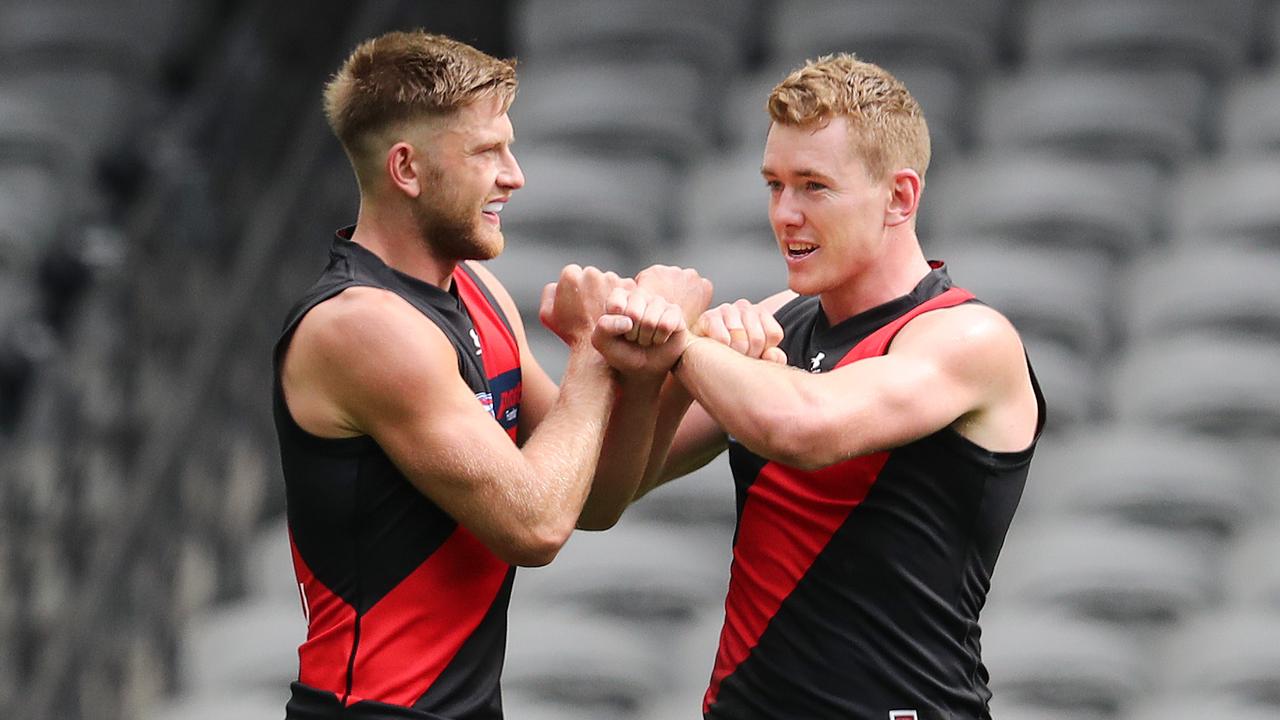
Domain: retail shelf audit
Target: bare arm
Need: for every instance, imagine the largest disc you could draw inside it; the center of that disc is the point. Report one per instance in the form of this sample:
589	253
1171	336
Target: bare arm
687	437
570	308
366	362
961	366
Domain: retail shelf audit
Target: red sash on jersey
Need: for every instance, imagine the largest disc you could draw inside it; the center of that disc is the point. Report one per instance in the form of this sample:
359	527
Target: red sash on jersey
500	351
789	517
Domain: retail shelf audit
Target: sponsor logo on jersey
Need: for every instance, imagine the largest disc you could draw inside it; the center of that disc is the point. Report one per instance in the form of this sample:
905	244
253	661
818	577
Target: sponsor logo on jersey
475	338
903	715
486	399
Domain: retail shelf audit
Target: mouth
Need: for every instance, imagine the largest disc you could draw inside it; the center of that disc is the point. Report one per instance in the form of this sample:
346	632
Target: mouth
798	249
490	210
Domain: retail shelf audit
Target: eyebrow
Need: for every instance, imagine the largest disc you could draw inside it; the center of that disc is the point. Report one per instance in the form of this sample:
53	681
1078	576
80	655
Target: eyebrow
803	172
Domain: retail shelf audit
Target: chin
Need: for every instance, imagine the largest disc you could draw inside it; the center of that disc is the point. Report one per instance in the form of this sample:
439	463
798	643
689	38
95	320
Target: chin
802	285
489	248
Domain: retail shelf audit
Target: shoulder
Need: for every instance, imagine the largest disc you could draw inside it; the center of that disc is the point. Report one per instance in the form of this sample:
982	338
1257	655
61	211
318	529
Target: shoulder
970	339
365	326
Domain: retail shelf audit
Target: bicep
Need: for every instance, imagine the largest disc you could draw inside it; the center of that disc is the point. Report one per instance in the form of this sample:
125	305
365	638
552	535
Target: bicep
394	374
885	402
943	367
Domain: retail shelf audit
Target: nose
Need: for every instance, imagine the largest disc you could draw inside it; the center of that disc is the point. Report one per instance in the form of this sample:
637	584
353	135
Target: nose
784	211
511	177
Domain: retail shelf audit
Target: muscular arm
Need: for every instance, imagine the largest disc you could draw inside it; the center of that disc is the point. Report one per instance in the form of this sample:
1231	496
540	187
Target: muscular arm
961	366
628	439
687	437
365	362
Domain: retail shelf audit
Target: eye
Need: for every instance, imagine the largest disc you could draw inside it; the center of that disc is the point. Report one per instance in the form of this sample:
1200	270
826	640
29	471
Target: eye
773	185
813	186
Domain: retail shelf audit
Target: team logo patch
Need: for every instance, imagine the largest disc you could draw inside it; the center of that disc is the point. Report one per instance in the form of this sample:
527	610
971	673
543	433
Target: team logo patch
486	399
815	365
903	715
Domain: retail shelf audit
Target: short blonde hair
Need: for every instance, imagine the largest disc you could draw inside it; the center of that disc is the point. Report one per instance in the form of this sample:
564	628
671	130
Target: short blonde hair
887	126
403	76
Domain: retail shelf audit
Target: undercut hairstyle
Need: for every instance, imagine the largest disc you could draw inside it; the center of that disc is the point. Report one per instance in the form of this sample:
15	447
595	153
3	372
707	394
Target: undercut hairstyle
403	76
886	125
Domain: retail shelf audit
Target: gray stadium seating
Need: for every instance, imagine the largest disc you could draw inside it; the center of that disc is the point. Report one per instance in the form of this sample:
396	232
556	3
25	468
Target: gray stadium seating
1042	200
1153	117
1059	662
1146	476
1210	38
1208	381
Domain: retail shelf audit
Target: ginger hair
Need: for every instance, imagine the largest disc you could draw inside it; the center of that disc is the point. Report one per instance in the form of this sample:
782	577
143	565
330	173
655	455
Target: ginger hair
887	126
406	76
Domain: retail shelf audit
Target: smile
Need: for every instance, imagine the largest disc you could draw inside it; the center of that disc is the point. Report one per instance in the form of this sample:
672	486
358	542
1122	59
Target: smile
796	249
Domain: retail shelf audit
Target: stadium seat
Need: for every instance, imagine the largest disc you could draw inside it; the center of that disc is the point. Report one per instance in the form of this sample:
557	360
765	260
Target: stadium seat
1146	476
1210	382
647	575
1235	200
1062	663
86	33
690	658
256	705
247	646
963	36
725	195
703	499
529	706
1045	201
1253	576
1134	577
1189	706
1057	294
1226	289
1210	38
1153	117
33	204
629	109
715	35
1230	654
576	199
600	668
270	572
1250	116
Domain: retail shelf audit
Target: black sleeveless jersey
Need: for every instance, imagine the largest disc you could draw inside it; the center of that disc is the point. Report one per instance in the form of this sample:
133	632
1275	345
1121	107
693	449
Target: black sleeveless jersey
405	608
855	589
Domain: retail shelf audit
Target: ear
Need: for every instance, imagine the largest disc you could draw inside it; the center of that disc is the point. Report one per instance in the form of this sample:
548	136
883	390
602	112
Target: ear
905	186
404	169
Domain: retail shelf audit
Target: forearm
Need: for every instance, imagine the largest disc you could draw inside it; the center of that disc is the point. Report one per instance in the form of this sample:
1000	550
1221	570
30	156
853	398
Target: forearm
563	451
751	399
628	445
663	463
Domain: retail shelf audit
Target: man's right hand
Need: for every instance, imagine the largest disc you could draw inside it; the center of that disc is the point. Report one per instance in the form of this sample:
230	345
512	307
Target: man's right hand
745	327
640	334
571	305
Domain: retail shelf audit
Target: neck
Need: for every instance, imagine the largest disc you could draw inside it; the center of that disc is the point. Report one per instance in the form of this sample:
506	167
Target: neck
894	273
398	242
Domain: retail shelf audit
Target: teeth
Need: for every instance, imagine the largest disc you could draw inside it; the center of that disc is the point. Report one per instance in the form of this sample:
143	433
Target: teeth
493	207
798	247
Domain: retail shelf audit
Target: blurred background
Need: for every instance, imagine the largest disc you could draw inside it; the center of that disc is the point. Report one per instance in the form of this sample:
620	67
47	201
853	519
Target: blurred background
1105	172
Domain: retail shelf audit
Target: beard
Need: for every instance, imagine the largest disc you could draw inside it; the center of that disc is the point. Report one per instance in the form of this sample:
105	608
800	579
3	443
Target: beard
451	229
454	232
